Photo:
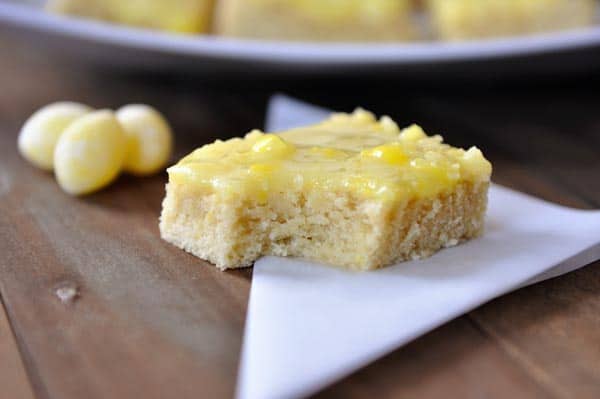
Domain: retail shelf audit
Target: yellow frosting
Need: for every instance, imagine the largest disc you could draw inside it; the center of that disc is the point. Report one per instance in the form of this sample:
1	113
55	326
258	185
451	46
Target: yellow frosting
347	152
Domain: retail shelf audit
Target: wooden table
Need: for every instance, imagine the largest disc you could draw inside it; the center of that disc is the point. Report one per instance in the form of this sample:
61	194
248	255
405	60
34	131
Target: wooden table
151	321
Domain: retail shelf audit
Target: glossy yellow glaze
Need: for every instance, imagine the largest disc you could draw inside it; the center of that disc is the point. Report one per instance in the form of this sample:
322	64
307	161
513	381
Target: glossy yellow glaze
356	152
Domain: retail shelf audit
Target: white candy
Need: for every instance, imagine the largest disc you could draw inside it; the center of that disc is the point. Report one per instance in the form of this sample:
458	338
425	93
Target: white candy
90	153
40	133
149	138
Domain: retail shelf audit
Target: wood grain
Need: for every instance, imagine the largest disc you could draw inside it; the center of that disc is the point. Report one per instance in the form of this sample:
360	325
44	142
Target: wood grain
152	321
149	320
13	378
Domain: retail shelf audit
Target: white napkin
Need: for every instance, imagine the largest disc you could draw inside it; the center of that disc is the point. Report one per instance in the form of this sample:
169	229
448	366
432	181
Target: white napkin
309	325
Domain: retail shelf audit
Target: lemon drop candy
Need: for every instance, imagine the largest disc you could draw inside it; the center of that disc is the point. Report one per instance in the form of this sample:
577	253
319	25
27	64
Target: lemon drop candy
149	139
90	153
40	133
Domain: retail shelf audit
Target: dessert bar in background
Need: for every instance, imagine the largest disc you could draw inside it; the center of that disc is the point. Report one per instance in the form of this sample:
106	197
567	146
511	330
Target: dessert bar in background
317	20
184	16
341	20
467	19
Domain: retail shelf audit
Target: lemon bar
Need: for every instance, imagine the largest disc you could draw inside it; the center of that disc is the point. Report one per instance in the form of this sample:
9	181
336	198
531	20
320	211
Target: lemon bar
320	20
351	191
183	16
464	19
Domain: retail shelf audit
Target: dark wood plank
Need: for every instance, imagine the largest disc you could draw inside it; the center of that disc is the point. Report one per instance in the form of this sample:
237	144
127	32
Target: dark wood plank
148	320
137	327
13	378
456	360
552	330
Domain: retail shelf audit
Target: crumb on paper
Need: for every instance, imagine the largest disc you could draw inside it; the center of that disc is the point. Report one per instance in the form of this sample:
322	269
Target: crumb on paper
67	292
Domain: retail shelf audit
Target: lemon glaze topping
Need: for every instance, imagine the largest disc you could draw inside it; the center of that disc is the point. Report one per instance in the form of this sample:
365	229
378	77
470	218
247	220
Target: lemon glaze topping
347	152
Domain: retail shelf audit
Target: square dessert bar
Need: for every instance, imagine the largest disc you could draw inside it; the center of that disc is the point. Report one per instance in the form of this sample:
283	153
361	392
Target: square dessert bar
351	191
321	20
464	19
185	16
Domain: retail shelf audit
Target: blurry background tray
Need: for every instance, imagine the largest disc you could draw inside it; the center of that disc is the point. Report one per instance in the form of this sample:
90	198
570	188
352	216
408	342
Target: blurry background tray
551	53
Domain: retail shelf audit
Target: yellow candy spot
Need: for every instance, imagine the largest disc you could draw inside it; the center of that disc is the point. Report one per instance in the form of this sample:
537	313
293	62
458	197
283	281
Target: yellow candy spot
262	169
389	153
149	139
412	133
388	124
330	153
429	177
370	187
474	164
273	146
253	135
90	153
361	115
201	172
263	173
40	133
